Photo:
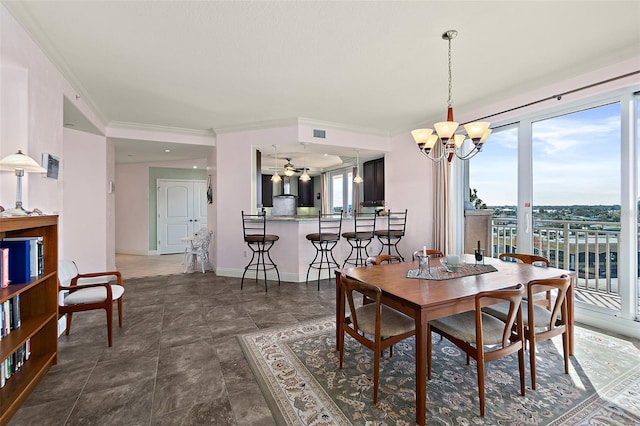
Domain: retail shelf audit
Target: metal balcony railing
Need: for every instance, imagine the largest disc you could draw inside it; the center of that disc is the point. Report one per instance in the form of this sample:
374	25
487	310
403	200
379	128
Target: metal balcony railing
588	247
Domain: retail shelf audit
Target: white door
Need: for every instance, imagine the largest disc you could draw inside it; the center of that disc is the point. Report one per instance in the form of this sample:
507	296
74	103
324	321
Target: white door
182	210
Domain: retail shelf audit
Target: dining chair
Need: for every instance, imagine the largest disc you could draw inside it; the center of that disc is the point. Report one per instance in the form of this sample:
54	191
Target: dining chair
88	291
430	253
383	324
540	323
531	259
484	337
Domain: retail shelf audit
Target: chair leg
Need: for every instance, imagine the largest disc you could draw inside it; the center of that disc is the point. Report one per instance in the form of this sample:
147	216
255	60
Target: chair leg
120	312
109	310
69	317
521	369
376	372
480	368
565	351
531	337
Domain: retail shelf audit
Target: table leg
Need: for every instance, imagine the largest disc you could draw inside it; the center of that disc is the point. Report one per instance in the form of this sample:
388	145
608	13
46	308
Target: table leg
421	368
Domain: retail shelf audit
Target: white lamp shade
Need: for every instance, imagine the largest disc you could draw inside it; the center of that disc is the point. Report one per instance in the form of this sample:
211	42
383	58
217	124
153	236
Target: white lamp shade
276	178
431	141
458	139
485	136
20	161
446	129
357	179
421	135
476	130
305	176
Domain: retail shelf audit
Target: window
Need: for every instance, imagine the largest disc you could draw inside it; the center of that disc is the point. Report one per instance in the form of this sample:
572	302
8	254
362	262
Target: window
341	190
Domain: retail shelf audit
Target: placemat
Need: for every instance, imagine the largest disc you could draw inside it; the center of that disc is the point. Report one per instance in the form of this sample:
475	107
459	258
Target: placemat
440	273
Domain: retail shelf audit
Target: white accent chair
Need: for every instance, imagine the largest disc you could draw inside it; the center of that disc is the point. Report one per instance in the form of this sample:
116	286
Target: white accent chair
83	292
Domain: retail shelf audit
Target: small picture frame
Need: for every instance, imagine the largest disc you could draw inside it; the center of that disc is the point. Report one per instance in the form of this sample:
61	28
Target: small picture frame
52	165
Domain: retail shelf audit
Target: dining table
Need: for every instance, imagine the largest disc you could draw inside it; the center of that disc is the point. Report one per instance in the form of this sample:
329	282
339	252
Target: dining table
443	292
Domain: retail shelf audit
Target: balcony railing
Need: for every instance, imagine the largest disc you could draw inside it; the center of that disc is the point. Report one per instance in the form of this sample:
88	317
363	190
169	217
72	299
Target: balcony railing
588	247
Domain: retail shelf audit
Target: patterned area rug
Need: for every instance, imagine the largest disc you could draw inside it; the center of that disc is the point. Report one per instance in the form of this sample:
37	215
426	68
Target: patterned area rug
297	369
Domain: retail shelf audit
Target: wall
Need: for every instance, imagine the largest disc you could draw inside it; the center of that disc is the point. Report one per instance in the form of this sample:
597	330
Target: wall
135	202
85	201
165	173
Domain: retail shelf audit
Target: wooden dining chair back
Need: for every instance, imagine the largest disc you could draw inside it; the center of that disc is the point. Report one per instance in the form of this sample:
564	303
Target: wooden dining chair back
373	325
430	253
472	331
531	259
541	324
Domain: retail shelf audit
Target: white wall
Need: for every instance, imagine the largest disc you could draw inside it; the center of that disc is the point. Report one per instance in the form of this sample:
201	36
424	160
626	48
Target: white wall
85	238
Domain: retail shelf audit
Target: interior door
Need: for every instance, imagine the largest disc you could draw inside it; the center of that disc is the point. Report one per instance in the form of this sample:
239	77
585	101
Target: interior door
181	210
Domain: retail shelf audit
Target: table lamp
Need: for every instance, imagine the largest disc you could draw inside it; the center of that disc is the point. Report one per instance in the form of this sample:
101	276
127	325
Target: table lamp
19	163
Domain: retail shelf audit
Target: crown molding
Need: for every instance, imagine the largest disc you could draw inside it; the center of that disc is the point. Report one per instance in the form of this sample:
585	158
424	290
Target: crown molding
300	121
342	126
256	125
161	129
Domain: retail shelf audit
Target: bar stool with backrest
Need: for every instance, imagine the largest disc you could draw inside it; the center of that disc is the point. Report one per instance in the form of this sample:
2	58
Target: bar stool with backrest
364	226
255	235
328	235
391	235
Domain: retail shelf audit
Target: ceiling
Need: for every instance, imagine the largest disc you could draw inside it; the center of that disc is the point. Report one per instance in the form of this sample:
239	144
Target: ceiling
376	66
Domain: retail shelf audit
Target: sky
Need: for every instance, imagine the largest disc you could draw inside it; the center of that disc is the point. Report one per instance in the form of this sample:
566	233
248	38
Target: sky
576	160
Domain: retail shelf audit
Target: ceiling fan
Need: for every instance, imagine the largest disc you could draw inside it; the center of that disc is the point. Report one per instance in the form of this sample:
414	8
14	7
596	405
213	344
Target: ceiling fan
290	169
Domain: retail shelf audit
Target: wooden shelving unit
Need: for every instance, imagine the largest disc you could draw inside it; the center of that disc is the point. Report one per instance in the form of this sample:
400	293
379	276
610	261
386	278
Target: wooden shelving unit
38	313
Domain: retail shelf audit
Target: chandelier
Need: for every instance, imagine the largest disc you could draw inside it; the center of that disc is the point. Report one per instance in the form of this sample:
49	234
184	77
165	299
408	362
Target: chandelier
276	177
453	143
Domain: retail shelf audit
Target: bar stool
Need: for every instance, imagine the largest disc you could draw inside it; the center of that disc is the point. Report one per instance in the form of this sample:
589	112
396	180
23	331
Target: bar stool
391	236
328	235
364	226
254	227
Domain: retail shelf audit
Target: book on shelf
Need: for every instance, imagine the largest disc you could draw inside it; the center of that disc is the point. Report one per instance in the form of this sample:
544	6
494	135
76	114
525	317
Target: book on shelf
14	362
9	316
19	260
4	267
36	253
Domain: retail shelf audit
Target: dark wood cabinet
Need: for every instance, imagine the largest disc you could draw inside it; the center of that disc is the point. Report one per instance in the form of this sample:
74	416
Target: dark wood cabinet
373	176
267	191
305	194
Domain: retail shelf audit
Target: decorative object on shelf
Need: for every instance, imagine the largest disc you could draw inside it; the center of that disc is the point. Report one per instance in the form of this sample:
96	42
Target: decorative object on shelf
19	163
453	144
276	177
357	178
305	176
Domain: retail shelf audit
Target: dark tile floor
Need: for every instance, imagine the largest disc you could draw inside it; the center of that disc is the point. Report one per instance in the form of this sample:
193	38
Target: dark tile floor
176	360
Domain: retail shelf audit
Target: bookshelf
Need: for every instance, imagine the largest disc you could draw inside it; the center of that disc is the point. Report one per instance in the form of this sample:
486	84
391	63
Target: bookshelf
38	313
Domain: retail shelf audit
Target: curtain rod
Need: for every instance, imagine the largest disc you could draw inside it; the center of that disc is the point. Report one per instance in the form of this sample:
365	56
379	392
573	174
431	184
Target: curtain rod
560	95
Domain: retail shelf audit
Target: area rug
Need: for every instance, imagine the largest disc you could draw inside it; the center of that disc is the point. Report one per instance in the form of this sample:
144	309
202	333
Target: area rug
297	369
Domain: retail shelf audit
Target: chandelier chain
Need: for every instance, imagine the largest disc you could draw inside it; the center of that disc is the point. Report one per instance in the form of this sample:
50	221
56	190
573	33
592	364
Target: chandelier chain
449	102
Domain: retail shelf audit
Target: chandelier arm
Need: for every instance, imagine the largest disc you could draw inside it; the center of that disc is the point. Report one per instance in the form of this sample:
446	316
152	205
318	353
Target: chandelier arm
434	159
469	155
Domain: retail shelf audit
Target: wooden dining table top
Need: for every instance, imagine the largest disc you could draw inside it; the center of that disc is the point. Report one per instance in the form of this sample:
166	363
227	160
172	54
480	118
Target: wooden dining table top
392	280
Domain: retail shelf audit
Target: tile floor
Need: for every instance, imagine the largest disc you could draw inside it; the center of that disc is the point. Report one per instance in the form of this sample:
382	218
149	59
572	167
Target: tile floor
176	360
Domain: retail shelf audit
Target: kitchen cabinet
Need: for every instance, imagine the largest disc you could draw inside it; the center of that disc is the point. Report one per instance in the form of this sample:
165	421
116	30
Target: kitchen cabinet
305	194
373	177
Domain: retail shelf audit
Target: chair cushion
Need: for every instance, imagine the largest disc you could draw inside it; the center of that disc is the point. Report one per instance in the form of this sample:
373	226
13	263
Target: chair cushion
358	235
390	234
323	237
260	238
463	326
93	295
542	316
392	321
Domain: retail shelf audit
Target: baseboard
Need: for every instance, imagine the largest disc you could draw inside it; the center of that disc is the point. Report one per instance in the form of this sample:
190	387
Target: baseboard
625	327
138	252
62	324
